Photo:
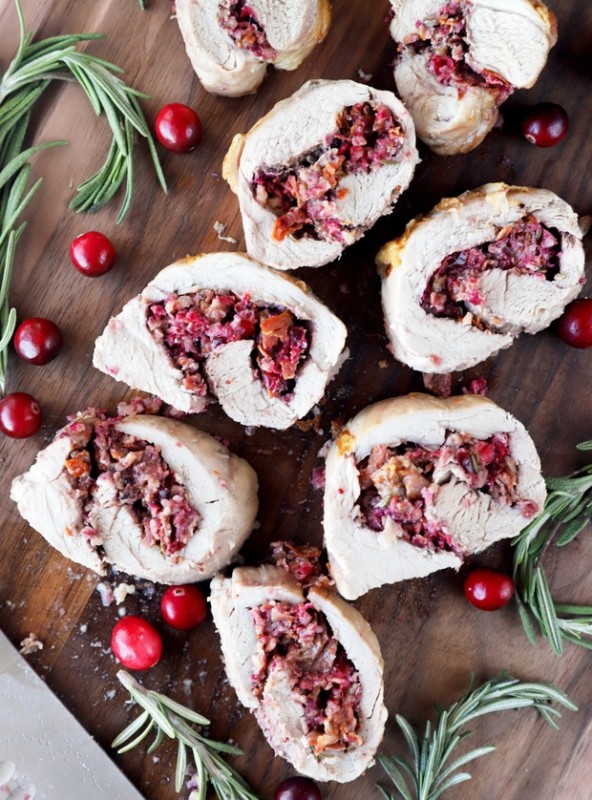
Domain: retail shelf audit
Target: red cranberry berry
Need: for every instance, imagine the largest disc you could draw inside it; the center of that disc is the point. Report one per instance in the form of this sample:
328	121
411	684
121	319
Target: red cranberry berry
575	324
178	128
38	340
20	415
545	124
92	254
298	789
136	643
183	607
488	589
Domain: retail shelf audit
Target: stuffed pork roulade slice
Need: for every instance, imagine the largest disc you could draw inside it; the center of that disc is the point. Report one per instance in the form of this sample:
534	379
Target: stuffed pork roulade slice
261	342
156	498
231	42
416	483
307	665
457	62
319	170
465	280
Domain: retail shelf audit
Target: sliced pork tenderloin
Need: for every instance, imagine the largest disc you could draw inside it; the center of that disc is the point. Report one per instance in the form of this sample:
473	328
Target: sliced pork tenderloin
465	280
459	61
231	42
307	664
319	170
414	484
222	325
155	497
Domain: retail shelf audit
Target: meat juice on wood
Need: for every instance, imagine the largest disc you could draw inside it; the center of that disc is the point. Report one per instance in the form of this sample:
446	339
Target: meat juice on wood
143	480
525	248
400	482
191	326
240	22
295	639
443	39
303	194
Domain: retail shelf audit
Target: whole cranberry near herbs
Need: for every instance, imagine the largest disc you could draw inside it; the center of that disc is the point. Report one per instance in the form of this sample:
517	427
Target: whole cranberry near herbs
545	124
20	415
92	254
37	340
488	589
298	789
575	324
178	128
183	607
136	643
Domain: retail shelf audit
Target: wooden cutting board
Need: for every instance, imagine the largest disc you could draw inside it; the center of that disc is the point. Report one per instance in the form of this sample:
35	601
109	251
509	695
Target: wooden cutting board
432	640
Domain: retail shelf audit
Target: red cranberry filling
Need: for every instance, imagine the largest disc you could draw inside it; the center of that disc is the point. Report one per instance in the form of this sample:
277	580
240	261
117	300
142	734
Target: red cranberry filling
240	22
444	39
303	194
295	639
142	478
525	248
190	326
399	483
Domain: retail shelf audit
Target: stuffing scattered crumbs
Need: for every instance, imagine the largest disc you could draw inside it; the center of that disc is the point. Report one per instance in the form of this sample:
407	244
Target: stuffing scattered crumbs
30	644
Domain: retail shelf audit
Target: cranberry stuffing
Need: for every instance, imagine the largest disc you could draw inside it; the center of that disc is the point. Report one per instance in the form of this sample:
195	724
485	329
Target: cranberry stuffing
545	124
183	607
92	254
488	589
20	415
38	340
178	128
575	324
136	643
298	789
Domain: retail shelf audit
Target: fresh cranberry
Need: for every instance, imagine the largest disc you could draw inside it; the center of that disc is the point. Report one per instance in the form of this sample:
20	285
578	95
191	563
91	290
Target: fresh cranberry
298	789
20	415
488	589
183	607
136	643
178	128
92	254
575	324
545	124
38	340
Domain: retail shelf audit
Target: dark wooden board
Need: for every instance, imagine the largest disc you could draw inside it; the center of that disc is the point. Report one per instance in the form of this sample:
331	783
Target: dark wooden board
431	639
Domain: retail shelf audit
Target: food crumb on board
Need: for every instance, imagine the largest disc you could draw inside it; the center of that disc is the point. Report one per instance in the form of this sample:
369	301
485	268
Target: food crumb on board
30	644
365	76
220	227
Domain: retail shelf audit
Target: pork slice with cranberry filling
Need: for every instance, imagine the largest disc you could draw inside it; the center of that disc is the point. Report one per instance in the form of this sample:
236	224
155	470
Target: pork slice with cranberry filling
222	325
458	61
414	484
315	173
307	664
231	42
465	280
152	496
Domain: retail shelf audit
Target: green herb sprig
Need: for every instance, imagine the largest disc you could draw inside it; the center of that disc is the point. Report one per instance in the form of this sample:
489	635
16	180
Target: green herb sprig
169	718
33	68
567	511
430	771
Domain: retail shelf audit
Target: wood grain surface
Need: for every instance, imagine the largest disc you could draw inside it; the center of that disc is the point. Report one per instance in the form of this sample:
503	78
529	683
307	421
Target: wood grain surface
431	639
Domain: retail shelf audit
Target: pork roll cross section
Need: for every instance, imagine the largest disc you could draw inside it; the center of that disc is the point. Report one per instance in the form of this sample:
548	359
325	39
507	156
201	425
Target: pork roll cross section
458	61
303	194
415	484
466	279
154	497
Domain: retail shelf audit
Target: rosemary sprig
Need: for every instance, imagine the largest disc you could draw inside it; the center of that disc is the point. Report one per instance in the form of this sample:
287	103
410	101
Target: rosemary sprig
567	511
429	772
33	68
169	718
